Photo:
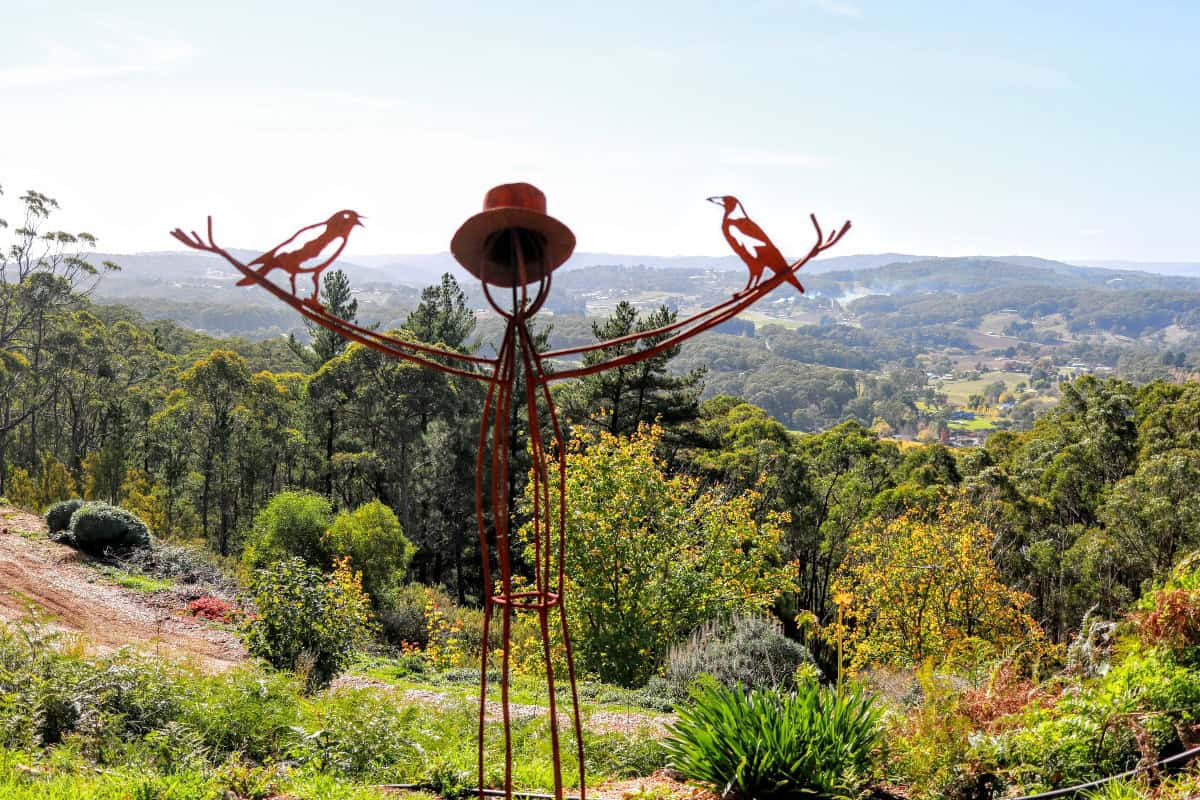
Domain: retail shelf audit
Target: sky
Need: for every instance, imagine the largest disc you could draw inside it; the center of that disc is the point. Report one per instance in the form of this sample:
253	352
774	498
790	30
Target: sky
1058	129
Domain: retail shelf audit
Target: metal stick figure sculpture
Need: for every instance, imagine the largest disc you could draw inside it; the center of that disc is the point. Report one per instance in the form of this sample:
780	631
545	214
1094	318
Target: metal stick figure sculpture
513	244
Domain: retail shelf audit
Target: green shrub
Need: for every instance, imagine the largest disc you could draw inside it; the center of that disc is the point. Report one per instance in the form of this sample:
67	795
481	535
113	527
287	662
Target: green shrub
411	610
361	733
58	517
241	711
652	555
46	695
769	744
97	527
308	622
404	616
371	536
751	651
292	524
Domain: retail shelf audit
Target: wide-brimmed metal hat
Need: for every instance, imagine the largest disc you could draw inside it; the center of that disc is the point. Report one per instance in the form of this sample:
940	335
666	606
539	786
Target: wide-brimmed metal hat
514	216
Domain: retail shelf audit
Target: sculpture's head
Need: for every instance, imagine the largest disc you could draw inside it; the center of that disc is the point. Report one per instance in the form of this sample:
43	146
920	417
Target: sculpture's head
513	241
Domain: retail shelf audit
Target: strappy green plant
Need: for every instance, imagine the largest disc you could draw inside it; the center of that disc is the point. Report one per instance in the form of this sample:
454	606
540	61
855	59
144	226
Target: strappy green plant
759	745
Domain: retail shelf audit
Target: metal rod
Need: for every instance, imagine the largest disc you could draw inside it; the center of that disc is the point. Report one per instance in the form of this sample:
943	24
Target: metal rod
1072	790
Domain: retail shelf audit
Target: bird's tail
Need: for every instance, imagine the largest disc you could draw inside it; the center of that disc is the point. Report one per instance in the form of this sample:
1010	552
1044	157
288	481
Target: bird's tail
794	281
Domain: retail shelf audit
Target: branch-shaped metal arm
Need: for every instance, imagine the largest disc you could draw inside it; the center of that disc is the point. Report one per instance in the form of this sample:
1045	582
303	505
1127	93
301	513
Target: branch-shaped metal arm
409	351
699	322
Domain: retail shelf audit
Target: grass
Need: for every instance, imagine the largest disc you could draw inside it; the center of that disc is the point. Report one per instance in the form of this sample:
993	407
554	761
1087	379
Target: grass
63	775
5	516
137	583
463	683
959	392
131	726
980	423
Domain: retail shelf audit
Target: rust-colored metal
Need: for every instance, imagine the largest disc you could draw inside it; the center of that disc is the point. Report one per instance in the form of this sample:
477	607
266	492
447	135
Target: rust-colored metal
514	245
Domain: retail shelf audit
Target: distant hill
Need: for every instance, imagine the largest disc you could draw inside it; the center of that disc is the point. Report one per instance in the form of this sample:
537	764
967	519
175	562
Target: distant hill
425	268
1187	268
169	273
978	274
183	275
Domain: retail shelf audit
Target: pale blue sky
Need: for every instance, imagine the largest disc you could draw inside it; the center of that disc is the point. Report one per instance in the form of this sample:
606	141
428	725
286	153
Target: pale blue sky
1066	130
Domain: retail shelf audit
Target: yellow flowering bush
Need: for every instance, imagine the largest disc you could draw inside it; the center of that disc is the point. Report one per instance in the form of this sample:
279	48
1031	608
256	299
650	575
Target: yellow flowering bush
651	556
923	585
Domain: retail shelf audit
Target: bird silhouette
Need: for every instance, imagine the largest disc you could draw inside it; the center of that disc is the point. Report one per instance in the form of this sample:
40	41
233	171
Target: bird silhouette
752	244
311	249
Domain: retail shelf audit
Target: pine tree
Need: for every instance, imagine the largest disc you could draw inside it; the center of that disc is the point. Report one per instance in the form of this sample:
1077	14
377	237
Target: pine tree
619	400
324	343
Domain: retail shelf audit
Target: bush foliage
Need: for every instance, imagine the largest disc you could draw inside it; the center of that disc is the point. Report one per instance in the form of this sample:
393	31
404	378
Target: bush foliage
124	726
675	556
58	516
921	585
308	622
371	537
751	651
291	524
99	527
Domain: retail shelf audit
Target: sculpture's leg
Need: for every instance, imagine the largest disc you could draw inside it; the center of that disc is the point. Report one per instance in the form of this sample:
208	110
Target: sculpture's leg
562	609
561	524
483	669
543	614
541	526
501	433
491	414
506	635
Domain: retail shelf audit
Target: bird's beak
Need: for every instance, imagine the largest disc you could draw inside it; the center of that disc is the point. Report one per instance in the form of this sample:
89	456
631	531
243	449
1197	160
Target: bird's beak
718	200
359	222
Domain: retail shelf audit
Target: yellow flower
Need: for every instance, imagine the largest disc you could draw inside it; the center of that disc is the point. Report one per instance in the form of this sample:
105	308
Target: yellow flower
843	599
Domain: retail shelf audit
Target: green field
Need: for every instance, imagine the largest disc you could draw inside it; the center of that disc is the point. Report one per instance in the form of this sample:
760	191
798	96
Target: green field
980	423
960	391
759	319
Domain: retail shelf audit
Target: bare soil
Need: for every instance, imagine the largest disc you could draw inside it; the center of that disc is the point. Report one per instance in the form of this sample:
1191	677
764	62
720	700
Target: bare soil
56	581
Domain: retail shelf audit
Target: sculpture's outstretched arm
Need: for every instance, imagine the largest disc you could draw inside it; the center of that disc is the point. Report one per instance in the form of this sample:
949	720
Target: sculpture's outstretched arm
699	322
415	352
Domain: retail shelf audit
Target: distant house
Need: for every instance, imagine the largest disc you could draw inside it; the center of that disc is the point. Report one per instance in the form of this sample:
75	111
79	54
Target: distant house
967	439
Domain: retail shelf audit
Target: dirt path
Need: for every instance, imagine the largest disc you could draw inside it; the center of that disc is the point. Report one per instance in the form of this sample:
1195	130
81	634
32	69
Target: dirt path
57	581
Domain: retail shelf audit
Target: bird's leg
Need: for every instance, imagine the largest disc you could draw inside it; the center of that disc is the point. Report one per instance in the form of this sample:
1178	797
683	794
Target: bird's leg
294	285
316	298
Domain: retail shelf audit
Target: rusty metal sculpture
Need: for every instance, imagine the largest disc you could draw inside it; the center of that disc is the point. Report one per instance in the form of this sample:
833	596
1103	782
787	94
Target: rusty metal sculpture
514	244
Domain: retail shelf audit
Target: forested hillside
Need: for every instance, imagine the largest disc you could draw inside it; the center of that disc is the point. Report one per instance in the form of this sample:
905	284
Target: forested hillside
904	346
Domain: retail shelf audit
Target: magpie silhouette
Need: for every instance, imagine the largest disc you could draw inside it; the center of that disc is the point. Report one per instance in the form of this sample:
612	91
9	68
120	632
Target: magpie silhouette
743	233
309	250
